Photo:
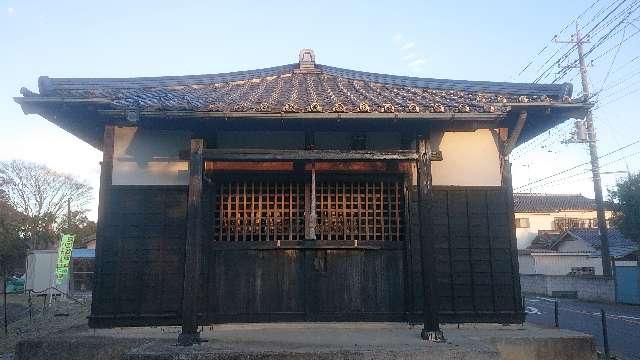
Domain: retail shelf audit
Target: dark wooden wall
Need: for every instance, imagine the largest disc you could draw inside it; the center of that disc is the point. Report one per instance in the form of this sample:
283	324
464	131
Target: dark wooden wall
139	269
140	265
476	257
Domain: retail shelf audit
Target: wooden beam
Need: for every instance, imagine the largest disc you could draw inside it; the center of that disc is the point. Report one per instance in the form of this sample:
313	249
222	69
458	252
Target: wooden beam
447	116
306	155
310	218
104	205
515	134
191	283
431	330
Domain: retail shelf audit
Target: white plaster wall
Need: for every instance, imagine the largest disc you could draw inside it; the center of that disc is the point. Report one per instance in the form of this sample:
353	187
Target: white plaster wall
544	221
150	157
561	264
526	264
469	159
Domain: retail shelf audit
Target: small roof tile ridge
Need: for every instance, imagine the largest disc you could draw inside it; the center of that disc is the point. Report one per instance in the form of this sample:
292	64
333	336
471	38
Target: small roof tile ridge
47	84
558	90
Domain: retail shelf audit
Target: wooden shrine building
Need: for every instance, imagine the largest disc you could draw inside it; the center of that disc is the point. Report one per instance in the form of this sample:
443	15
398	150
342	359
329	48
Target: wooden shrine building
303	192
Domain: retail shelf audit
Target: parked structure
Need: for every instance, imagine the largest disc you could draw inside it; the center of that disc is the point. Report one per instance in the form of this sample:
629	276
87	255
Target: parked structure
303	192
539	214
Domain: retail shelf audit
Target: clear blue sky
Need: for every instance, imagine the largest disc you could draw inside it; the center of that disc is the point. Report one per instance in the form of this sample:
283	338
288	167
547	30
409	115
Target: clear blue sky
475	40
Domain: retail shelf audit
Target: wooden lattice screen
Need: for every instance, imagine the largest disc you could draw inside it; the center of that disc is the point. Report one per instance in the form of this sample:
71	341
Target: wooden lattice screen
362	211
259	211
275	210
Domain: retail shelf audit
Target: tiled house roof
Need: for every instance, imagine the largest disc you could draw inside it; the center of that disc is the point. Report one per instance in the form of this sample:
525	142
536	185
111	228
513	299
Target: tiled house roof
528	203
544	240
298	92
619	245
291	89
591	236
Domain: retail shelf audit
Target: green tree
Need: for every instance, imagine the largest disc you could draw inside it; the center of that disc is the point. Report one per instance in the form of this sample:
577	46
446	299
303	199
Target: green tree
626	196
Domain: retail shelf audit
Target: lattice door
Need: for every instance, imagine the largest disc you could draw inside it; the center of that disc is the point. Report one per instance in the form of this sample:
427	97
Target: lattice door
259	211
360	210
351	210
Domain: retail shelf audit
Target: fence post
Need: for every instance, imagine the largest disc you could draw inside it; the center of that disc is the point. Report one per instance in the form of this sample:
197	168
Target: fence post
555	313
605	337
4	292
30	308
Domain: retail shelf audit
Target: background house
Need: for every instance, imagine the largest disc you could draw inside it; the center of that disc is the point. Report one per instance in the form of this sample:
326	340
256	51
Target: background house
554	213
570	264
574	252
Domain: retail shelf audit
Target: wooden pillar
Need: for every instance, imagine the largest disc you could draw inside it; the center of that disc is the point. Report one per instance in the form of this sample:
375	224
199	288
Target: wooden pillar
191	283
431	330
513	242
104	205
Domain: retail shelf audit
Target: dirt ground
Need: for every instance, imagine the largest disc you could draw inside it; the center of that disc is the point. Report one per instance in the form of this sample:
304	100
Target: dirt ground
48	317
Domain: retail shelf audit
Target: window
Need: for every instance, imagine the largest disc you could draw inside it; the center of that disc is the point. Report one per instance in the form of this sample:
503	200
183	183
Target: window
565	223
262	208
522	222
359	210
583	270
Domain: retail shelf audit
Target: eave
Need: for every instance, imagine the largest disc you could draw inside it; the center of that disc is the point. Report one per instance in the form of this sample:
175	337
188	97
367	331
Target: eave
71	114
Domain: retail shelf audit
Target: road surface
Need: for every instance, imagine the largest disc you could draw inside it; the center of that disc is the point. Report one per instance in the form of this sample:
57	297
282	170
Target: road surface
623	322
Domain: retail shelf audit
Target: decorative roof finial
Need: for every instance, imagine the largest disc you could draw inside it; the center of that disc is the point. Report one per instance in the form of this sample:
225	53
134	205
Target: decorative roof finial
307	62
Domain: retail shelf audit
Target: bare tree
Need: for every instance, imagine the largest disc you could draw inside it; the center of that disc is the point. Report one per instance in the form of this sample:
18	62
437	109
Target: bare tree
42	195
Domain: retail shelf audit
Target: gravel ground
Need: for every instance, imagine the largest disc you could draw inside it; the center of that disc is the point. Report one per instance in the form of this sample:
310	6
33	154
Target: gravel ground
62	314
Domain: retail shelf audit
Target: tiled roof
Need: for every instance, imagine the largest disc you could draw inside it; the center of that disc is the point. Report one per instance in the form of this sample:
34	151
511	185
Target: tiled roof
527	202
619	245
544	240
616	239
292	89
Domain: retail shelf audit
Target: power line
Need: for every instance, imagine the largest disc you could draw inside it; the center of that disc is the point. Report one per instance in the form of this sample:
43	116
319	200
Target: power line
629	10
545	47
562	180
580	165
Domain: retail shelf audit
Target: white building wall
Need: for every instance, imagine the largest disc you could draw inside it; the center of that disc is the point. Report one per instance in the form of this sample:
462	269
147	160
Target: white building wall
468	159
526	264
544	221
561	264
150	157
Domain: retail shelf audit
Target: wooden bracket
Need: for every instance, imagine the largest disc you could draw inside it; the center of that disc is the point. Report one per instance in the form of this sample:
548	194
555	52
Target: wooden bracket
513	139
435	139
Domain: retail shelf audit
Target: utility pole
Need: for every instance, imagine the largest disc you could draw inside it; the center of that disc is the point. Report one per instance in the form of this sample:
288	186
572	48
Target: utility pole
593	152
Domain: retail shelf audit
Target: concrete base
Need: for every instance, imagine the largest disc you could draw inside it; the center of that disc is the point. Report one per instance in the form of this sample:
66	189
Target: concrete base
314	341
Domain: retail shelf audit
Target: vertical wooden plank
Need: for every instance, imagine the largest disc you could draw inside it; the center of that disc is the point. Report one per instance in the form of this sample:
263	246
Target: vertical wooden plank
243	218
489	235
397	202
366	210
228	215
104	206
344	211
290	210
252	203
191	282
360	228
431	330
409	298
513	246
470	252
260	205
236	208
222	214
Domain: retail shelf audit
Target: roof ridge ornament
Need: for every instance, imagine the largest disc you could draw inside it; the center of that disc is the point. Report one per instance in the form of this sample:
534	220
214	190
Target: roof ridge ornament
306	62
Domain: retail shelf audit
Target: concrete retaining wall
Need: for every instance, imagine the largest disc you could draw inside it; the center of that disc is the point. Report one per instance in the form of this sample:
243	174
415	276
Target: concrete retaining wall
589	288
